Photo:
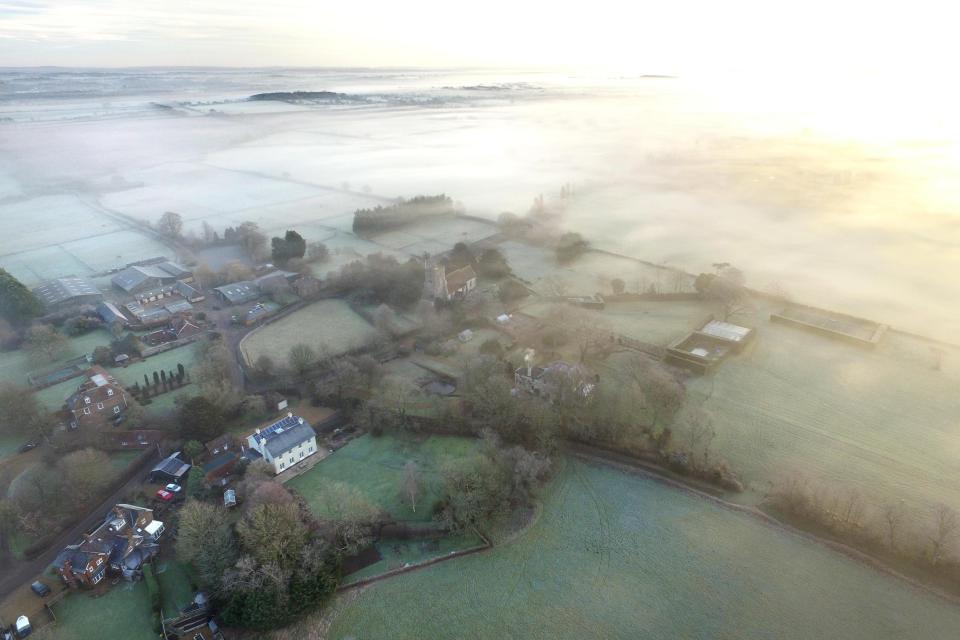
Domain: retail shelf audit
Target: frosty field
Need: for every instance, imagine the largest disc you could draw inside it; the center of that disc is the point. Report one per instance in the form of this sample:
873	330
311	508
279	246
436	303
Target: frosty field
328	326
620	556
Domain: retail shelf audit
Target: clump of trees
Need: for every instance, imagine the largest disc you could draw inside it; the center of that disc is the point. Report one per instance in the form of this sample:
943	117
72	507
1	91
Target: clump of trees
18	305
170	225
402	212
493	264
381	279
570	246
268	568
46	342
725	289
290	246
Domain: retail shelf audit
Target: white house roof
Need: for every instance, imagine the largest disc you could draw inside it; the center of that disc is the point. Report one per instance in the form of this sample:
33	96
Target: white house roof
725	331
285	434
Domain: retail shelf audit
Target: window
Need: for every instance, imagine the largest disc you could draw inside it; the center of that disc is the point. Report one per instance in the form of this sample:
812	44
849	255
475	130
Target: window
116	409
109	392
311	449
86	411
281	466
86	400
198	636
99	406
301	455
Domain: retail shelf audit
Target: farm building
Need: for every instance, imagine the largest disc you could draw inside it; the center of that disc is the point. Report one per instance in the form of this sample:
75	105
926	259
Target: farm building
189	293
121	545
66	292
285	442
141	278
238	292
703	349
170	469
99	401
109	313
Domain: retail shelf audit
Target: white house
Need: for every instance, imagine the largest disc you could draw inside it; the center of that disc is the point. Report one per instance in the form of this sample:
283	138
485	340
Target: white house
285	442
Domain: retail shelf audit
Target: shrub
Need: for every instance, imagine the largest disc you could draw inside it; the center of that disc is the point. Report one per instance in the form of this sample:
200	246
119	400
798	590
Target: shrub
153	587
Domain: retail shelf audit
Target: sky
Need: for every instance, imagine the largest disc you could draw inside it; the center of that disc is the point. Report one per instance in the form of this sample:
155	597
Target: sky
682	36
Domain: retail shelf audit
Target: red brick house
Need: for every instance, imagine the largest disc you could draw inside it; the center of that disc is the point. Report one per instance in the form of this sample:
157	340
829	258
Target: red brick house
99	400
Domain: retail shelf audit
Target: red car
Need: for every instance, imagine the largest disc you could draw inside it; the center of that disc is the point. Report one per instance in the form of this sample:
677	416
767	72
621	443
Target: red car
165	495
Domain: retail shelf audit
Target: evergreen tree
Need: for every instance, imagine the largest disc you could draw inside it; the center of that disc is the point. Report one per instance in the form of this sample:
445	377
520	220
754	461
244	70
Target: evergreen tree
18	305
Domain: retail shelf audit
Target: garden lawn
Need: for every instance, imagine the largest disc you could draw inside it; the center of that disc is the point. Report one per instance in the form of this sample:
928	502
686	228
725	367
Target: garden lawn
175	587
328	326
120	460
375	467
623	556
16	365
123	612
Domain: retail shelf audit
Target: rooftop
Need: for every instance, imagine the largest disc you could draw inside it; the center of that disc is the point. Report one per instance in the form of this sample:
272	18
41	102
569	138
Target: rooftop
459	278
726	331
284	434
238	291
59	290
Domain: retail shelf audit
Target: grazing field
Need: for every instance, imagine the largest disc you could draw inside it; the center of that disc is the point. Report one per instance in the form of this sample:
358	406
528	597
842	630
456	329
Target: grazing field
328	326
621	556
590	273
123	612
882	422
375	467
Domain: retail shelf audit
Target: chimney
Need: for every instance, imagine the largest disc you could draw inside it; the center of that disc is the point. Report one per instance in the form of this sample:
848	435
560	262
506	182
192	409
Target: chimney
258	430
289	414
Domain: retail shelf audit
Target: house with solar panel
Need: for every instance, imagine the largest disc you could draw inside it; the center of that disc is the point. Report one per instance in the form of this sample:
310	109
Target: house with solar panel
284	443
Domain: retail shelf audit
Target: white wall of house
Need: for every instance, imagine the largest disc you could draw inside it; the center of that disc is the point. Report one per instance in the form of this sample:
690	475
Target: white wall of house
289	458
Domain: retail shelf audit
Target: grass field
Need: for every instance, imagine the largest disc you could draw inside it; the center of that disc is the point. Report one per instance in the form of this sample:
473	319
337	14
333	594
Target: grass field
123	612
330	326
15	365
618	556
375	467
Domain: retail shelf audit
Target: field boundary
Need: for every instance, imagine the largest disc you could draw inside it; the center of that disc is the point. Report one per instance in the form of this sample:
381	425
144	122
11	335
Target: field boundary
850	552
486	546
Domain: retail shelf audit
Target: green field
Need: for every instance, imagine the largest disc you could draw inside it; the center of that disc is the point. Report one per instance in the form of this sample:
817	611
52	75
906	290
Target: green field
175	587
375	467
123	612
328	326
619	556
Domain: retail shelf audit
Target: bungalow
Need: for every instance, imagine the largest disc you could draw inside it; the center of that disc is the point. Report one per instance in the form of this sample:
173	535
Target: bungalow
125	540
184	328
98	401
285	442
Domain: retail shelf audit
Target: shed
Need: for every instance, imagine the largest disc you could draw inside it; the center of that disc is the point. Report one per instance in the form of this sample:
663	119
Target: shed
170	469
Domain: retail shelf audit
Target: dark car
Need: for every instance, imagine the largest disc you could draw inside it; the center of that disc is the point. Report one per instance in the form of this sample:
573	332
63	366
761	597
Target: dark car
40	589
28	447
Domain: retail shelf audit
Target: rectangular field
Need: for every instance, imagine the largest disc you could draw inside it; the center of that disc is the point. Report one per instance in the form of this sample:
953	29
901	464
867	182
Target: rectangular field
328	326
375	467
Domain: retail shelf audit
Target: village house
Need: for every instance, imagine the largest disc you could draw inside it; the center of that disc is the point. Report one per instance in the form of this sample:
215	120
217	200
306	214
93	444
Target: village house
61	293
284	443
99	401
551	381
121	545
454	285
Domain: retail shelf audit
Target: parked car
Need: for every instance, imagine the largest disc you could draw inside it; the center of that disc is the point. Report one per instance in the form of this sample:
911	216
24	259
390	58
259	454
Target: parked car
40	589
164	495
173	488
23	627
29	446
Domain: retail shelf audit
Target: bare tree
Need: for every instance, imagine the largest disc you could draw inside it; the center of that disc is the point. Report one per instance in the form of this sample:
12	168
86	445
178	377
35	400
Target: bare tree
700	431
945	525
412	483
300	358
893	514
